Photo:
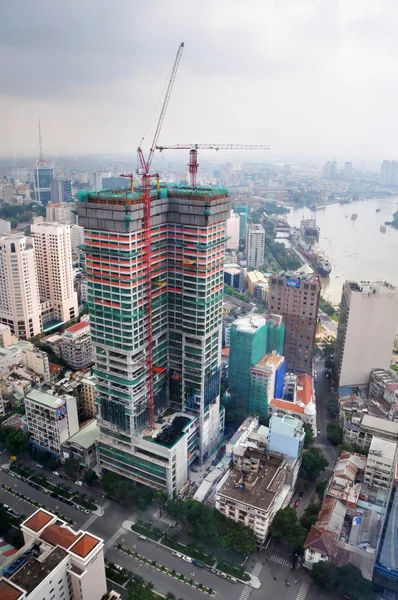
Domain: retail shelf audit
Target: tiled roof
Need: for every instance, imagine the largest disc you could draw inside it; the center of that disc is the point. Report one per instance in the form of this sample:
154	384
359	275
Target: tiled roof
77	327
322	541
38	520
305	393
286	405
8	591
59	535
84	545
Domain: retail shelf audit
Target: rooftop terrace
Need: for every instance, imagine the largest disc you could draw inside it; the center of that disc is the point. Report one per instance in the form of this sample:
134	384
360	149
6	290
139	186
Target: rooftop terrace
34	571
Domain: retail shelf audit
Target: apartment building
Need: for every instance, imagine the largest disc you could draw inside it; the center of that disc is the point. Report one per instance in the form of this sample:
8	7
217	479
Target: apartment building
232	231
250	494
361	431
55	273
50	419
296	298
184	299
61	212
55	563
380	466
6	337
359	348
76	346
19	291
87	397
255	244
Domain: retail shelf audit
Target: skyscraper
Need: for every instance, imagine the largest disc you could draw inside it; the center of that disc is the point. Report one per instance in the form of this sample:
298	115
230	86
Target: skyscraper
62	212
327	170
55	274
365	335
19	292
232	231
296	298
255	242
179	313
389	172
348	171
333	170
61	190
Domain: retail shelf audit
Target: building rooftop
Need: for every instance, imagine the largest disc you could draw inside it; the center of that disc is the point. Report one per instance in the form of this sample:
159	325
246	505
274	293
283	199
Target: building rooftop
268	361
38	520
383	448
9	591
249	323
383	425
77	327
45	398
34	571
87	435
304	389
287	405
331	516
259	489
58	534
85	545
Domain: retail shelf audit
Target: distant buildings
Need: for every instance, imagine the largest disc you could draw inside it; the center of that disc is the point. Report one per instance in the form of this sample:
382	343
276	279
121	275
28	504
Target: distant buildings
55	562
55	274
348	171
327	170
5	226
19	292
232	231
243	211
61	212
389	172
51	420
296	298
366	330
7	192
255	243
43	176
362	430
61	190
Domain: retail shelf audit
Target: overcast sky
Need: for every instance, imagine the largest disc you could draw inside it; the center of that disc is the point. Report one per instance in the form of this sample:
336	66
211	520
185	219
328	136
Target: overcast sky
308	77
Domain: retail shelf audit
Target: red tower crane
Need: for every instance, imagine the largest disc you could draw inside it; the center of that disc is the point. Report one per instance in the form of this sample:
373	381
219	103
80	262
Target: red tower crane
144	171
193	153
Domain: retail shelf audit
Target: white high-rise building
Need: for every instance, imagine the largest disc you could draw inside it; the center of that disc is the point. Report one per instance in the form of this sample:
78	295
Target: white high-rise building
61	212
76	238
55	273
366	330
232	231
19	291
55	562
255	241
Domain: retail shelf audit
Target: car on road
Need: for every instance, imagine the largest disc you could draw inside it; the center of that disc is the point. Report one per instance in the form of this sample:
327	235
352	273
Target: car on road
232	579
39	466
177	554
297	503
54	495
80	483
211	570
86	511
187	559
221	574
199	563
56	473
319	432
118	567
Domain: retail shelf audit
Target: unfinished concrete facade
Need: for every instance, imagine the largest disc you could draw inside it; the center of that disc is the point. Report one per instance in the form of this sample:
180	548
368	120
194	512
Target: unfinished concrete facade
187	254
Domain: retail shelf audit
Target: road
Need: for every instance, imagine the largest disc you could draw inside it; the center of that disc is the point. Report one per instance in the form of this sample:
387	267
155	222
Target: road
322	391
328	323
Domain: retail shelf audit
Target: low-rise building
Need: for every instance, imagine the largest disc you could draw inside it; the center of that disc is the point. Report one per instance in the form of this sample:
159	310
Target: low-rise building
51	420
6	337
82	445
361	430
87	397
298	400
250	494
379	472
383	384
55	563
255	278
77	347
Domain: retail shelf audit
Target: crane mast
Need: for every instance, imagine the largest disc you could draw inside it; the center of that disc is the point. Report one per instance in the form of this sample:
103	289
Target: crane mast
193	153
144	171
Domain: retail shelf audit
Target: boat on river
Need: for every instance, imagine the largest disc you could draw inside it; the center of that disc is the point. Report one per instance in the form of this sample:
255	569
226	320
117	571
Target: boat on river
354	216
383	228
309	228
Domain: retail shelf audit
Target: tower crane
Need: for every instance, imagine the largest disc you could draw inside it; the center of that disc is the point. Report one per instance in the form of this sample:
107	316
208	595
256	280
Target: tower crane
144	172
193	153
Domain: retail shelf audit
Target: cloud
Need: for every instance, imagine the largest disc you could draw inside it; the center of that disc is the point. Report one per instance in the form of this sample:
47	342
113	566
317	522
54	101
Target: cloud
307	76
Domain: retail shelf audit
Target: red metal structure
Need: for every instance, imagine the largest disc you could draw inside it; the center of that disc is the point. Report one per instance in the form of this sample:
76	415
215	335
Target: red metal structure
131	177
193	153
144	171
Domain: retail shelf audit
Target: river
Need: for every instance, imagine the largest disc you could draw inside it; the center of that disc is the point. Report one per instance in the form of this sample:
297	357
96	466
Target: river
356	248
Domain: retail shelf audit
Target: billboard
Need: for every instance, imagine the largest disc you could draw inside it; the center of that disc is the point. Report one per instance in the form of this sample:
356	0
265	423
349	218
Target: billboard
293	282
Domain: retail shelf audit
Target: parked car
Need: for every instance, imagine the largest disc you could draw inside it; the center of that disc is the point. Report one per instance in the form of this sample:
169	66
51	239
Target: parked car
177	554
56	473
297	503
221	574
80	483
39	466
199	563
232	579
187	559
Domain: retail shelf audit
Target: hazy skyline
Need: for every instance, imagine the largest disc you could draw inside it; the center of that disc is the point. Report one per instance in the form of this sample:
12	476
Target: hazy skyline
307	77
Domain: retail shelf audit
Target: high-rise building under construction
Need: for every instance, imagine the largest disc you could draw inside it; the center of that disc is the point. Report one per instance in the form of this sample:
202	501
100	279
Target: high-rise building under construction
177	313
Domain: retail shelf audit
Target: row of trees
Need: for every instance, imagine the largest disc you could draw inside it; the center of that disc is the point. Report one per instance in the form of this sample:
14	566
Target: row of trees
207	523
347	581
128	492
15	440
286	527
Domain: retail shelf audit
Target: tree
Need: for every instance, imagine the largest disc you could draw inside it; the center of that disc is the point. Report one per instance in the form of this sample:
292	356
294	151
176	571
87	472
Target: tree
324	574
333	406
351	583
71	466
285	528
90	477
235	413
4	521
170	596
16	441
309	435
110	481
334	433
320	489
312	463
310	516
149	585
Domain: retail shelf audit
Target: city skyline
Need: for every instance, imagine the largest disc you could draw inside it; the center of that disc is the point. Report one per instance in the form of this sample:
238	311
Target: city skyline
270	88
